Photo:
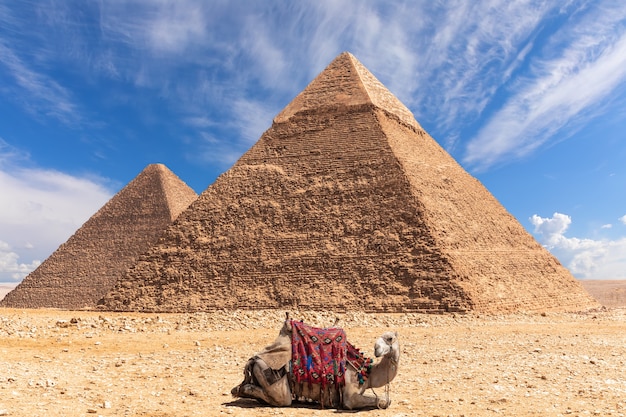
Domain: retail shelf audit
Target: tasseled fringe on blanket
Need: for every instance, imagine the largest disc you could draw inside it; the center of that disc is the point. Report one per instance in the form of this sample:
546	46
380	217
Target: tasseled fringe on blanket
330	396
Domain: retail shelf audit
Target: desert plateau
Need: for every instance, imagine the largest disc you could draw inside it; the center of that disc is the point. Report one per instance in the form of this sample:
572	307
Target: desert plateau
82	363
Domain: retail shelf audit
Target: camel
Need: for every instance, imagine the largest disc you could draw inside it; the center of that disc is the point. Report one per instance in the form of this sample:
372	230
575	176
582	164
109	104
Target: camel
267	377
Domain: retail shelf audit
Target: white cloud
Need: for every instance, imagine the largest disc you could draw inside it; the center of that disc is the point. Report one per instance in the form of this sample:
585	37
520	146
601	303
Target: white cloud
10	268
39	210
606	226
585	258
552	229
623	219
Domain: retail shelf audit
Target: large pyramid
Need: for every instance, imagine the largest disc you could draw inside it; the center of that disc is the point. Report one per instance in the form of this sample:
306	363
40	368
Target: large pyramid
84	268
346	203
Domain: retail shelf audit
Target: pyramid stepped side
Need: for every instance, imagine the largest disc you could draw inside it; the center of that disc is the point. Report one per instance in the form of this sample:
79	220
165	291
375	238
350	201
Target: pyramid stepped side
318	214
500	266
87	265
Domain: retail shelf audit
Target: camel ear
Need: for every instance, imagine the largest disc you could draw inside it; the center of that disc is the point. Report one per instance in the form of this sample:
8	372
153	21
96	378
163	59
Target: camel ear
286	315
395	334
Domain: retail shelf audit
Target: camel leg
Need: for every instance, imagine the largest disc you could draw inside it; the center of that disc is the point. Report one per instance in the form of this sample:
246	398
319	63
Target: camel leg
256	386
247	377
254	392
358	401
354	400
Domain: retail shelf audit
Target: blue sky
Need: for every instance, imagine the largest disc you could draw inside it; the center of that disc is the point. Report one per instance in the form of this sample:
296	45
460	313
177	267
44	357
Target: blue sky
529	96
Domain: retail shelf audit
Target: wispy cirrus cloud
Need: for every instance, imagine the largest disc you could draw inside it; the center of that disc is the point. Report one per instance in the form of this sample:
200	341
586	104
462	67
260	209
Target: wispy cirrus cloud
448	62
162	28
36	92
448	67
566	84
197	53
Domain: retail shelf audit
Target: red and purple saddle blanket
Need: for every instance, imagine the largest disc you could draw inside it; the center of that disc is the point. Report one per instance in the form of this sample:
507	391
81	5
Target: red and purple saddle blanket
319	356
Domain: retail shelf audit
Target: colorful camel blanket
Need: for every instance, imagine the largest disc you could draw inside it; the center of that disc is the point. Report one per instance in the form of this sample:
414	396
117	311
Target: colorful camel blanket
318	355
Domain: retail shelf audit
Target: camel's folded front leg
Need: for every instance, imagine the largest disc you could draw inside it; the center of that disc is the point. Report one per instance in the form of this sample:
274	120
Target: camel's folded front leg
357	401
264	385
247	378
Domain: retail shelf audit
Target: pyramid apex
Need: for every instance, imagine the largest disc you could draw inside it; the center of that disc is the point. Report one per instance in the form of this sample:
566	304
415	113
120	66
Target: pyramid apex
156	167
346	82
177	195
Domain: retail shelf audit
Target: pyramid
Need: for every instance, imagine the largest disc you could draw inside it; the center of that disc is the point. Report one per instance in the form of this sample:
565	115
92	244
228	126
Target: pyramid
84	268
346	203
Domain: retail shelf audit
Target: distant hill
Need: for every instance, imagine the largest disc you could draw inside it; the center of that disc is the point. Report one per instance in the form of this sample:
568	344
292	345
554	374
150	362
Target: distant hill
4	289
610	293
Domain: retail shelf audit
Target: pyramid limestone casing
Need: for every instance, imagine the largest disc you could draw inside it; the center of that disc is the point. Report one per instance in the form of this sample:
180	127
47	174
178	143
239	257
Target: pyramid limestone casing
346	203
84	268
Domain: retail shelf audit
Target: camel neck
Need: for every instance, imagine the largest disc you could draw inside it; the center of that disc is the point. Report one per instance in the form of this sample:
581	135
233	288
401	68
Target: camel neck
384	371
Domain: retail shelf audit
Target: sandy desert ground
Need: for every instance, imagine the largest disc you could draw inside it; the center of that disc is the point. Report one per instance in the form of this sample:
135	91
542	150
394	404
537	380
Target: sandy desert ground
62	363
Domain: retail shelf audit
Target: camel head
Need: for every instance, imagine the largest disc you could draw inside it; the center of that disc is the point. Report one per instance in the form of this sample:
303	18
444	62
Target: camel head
387	343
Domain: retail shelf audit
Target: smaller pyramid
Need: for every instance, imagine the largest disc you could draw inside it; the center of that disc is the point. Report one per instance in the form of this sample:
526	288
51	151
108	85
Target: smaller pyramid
84	268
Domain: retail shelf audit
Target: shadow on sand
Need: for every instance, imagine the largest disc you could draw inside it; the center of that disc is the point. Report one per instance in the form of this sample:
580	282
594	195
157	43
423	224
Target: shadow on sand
250	403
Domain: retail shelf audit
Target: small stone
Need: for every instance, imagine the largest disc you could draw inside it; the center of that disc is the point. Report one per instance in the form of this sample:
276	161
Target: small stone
107	404
91	411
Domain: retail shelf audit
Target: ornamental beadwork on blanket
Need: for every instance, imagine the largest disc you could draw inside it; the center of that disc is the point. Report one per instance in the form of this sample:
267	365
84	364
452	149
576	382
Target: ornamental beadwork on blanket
359	362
